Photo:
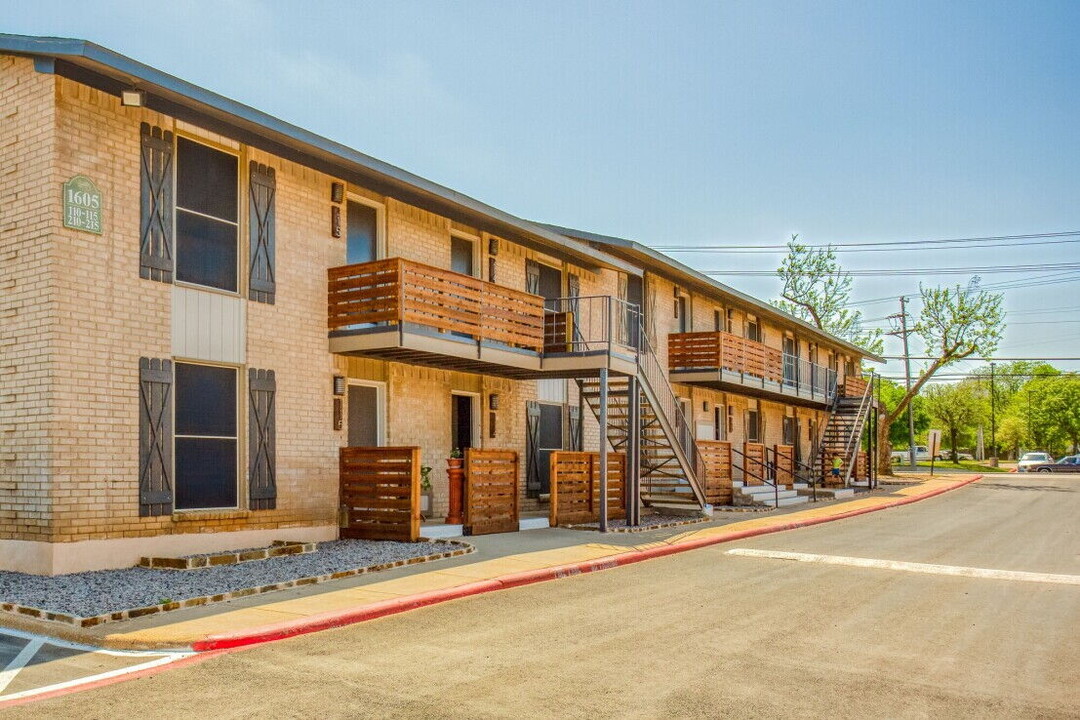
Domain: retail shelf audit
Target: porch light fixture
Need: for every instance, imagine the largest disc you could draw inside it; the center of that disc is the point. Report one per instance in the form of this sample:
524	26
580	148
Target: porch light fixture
493	401
493	246
704	406
337	192
677	292
339	385
132	98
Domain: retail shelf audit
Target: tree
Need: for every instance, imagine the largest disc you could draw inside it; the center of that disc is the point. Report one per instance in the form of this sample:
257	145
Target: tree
956	406
1055	411
890	393
954	323
1012	434
817	290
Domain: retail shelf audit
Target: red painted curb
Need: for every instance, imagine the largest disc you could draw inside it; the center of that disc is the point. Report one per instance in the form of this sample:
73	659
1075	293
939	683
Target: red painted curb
325	621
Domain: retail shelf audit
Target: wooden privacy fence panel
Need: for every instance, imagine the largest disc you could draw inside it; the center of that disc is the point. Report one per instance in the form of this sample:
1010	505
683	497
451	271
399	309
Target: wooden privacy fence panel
854	386
754	470
716	454
575	487
724	351
401	291
861	471
491	491
380	489
785	464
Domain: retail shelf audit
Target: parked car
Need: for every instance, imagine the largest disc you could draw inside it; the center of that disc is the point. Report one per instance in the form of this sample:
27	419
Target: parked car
1031	459
960	455
1069	464
902	456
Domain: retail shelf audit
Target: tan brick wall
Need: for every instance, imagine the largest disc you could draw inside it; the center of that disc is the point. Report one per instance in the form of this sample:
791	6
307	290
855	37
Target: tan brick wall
29	217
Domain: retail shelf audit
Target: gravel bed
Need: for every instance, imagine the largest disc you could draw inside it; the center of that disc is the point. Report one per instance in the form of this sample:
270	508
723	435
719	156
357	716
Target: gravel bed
648	522
94	593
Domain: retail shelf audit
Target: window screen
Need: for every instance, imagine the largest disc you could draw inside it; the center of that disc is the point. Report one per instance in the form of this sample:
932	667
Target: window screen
206	215
206	440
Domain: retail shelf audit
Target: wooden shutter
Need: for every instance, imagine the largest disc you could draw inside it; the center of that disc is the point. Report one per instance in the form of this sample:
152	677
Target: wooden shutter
155	437
532	277
576	439
532	448
262	188
262	466
156	206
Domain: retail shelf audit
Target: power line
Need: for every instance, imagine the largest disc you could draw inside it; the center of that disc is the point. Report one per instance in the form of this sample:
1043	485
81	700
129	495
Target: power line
909	243
968	270
908	247
986	359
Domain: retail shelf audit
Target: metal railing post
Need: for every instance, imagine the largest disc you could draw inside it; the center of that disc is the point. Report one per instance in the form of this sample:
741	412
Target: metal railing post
603	450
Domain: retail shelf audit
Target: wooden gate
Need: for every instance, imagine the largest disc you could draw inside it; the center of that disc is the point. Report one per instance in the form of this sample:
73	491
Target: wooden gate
785	464
491	491
380	490
575	487
754	470
716	454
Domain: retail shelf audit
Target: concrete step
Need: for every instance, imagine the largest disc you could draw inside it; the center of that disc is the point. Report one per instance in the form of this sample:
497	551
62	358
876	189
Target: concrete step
834	493
766	492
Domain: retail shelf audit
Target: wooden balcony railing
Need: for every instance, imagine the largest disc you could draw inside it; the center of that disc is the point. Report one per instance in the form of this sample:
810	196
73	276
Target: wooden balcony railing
397	291
854	386
724	351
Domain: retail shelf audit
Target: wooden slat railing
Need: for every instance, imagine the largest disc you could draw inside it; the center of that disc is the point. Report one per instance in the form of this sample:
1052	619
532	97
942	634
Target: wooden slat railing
716	455
854	386
785	464
575	487
380	490
725	351
398	291
491	491
754	456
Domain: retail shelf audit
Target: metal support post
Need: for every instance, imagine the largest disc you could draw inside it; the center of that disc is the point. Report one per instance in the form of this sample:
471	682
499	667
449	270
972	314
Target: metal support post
603	450
633	453
907	381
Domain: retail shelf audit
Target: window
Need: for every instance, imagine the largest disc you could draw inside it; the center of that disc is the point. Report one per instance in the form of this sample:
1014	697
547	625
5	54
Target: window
790	435
461	255
206	439
362	239
719	422
753	425
718	320
753	329
206	216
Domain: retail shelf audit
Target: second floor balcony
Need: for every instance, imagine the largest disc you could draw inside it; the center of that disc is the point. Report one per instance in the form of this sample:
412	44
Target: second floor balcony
727	362
405	311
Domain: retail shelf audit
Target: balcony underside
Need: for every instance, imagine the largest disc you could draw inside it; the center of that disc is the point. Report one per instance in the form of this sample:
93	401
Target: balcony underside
420	345
753	386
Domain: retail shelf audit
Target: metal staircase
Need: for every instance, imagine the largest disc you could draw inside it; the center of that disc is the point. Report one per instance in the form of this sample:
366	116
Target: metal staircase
671	463
843	433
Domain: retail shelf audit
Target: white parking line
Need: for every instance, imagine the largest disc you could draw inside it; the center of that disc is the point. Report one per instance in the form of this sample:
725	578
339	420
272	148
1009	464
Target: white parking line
19	662
36	642
924	568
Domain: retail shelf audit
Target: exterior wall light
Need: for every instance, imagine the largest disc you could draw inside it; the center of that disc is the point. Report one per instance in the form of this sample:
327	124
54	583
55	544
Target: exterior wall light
493	401
337	192
339	385
132	98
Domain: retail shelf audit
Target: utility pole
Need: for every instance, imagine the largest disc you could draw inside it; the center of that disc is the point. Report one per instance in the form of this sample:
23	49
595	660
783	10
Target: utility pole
993	420
904	332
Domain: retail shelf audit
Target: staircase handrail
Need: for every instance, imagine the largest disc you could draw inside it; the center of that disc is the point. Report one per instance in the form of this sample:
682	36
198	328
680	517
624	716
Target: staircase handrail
766	466
851	447
654	382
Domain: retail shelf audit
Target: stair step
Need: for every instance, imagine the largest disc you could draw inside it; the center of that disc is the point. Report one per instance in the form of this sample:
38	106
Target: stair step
759	492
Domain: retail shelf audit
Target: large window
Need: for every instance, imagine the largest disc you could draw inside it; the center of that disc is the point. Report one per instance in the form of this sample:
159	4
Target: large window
206	440
206	215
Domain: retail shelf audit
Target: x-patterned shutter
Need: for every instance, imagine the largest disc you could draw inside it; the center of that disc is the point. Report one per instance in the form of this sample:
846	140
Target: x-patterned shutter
262	190
155	437
576	439
262	466
532	448
532	277
156	206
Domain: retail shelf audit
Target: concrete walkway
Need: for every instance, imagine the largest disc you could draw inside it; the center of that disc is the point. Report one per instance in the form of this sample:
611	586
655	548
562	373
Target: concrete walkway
537	556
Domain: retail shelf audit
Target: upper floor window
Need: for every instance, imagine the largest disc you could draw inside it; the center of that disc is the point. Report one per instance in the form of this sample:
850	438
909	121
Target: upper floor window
362	240
207	216
753	329
462	255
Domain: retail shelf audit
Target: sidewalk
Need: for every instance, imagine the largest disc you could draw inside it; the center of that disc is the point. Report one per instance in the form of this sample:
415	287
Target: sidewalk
501	562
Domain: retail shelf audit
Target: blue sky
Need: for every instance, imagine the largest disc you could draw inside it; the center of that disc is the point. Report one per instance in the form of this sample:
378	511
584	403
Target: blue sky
681	123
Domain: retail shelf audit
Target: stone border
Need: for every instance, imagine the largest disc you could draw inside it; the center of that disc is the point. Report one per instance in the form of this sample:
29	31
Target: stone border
194	562
462	548
640	528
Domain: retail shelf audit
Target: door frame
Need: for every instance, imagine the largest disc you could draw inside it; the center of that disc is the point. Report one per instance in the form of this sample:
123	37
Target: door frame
477	419
380	222
380	402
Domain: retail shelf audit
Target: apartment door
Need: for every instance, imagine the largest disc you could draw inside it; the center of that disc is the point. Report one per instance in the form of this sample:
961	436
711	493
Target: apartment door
362	238
462	256
635	295
550	439
685	429
550	283
365	415
682	308
791	361
464	415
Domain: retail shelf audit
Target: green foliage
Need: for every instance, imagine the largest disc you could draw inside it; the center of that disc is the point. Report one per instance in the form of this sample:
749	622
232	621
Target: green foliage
818	290
957	322
890	394
1054	412
956	406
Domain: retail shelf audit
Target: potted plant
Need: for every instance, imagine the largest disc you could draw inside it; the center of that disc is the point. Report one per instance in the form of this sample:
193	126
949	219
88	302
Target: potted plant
425	490
455	475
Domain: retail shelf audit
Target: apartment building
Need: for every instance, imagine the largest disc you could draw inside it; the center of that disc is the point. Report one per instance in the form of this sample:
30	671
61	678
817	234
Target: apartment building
202	305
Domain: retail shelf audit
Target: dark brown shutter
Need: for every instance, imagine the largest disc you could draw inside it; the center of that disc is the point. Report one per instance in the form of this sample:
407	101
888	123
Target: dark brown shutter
156	226
576	439
262	466
532	277
532	448
262	187
155	437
